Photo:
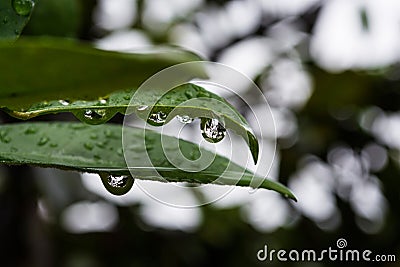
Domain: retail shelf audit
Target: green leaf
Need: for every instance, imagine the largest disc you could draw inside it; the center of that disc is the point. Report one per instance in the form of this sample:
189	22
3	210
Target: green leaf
36	68
57	18
185	100
99	149
14	15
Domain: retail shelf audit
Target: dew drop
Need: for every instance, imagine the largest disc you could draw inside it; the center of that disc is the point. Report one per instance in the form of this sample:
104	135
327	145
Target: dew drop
23	7
189	93
184	119
93	114
63	102
117	181
117	184
6	139
14	149
157	118
120	152
43	140
108	133
101	144
5	20
103	101
93	136
88	146
212	130
142	108
53	145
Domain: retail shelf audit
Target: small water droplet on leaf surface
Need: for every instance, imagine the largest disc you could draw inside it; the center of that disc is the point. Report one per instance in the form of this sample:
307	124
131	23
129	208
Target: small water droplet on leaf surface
22	7
63	102
43	140
142	108
212	130
93	116
184	119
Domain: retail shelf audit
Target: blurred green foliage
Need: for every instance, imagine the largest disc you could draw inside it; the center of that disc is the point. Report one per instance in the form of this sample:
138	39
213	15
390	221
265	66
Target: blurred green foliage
224	238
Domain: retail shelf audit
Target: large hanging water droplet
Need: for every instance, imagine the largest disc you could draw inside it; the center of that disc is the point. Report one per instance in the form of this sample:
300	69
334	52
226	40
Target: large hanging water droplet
93	114
23	7
212	130
117	184
117	181
157	118
184	119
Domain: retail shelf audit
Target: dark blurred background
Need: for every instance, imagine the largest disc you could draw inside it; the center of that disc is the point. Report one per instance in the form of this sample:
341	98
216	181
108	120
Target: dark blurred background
330	72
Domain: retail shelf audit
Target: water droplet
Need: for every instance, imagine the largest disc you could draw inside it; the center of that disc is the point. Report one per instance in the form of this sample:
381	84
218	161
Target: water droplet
14	149
43	140
5	20
142	108
97	157
88	146
120	151
127	97
93	114
108	133
4	137
184	119
63	102
103	101
53	145
101	144
31	130
117	181
93	136
157	119
23	7
212	130
117	184
189	93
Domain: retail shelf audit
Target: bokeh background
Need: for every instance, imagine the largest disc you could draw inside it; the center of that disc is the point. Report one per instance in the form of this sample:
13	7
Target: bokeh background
330	72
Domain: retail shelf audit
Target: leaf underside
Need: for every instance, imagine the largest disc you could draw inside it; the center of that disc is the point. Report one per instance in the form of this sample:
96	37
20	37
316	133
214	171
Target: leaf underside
98	149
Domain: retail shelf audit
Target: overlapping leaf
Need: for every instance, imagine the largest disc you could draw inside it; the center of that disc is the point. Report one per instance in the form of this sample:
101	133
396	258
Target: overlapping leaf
99	149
